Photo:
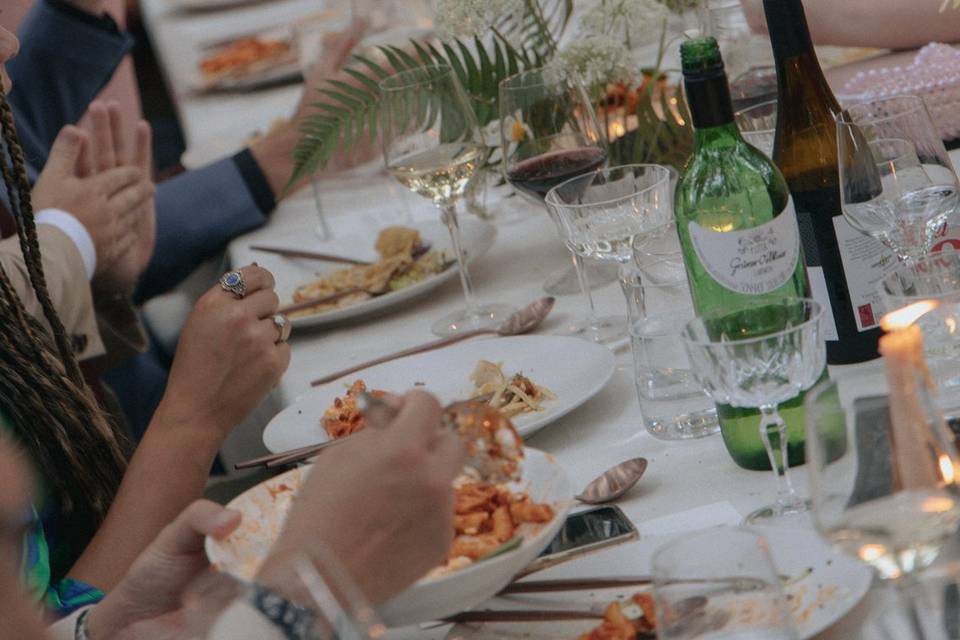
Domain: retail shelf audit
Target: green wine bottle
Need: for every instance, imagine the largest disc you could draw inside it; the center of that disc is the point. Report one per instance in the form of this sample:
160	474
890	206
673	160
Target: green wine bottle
738	232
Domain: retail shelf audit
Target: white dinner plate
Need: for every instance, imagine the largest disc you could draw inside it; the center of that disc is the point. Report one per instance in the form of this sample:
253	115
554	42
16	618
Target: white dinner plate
290	273
574	369
830	584
264	509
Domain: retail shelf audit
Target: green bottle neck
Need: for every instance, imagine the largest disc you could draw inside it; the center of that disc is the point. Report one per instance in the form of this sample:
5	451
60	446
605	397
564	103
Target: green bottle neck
708	97
723	135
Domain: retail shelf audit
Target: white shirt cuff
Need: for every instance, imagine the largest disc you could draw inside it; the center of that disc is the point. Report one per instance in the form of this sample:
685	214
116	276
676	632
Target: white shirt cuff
75	230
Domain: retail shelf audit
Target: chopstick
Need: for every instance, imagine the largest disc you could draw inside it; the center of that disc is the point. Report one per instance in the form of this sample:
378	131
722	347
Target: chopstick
311	255
266	459
573	584
308	304
522	615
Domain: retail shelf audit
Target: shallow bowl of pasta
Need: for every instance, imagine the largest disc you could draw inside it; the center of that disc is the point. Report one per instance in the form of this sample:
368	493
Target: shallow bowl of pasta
535	506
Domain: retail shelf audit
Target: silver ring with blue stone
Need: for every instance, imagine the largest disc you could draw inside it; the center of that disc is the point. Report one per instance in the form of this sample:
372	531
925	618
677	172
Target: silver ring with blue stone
233	282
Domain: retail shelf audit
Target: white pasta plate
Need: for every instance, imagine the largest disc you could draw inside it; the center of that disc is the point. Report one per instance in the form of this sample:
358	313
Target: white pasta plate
574	370
264	508
824	586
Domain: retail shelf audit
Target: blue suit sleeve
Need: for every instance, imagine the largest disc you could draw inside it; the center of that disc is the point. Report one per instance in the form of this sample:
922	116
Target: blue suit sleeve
198	213
65	60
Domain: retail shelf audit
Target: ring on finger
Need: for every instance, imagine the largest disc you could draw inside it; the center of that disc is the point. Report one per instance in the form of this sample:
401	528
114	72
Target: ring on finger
233	282
283	326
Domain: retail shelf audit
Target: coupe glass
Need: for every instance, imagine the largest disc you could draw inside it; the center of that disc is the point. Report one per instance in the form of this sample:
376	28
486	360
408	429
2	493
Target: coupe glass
758	125
549	133
758	357
897	183
882	474
599	215
432	146
735	594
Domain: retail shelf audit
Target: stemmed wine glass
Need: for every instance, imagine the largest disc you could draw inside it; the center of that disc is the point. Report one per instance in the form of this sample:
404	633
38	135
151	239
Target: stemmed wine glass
897	183
758	357
432	145
882	472
549	133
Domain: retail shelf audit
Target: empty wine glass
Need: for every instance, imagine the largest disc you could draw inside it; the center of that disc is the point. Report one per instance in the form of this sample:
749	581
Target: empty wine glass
549	133
599	215
897	183
758	125
882	472
758	357
432	145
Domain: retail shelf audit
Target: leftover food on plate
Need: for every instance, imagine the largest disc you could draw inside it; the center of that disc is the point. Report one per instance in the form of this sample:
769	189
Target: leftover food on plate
512	395
247	56
402	263
343	417
625	619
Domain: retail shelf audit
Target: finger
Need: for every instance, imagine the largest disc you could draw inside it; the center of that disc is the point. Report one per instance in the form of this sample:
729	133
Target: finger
113	180
66	151
130	199
121	146
257	278
144	150
84	167
419	418
104	152
185	535
263	303
448	455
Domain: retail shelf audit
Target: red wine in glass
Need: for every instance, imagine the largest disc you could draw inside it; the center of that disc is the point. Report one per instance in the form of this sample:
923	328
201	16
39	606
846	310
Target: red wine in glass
537	175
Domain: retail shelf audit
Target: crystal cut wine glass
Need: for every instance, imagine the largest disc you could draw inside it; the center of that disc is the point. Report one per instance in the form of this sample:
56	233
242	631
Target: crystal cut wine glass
758	357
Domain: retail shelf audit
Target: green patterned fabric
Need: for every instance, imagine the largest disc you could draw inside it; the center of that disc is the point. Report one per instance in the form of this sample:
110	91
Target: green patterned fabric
60	596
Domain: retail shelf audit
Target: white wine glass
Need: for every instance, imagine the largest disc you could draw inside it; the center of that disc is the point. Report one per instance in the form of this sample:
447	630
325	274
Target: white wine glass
758	125
897	182
432	145
882	471
757	358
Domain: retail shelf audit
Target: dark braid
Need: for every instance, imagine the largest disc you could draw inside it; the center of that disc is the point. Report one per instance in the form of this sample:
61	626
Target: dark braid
79	452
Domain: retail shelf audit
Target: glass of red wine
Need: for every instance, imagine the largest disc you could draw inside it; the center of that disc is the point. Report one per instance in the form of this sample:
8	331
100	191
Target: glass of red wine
549	134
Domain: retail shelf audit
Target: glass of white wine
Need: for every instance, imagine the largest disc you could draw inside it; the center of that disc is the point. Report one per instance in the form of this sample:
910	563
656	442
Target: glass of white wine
882	475
432	145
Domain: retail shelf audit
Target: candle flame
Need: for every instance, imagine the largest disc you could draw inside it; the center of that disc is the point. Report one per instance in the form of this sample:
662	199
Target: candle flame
906	316
946	468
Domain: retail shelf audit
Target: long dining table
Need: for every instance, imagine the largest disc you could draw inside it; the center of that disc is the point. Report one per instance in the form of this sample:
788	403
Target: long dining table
689	484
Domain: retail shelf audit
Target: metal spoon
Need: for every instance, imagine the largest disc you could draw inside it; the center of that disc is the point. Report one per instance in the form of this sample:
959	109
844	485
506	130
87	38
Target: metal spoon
614	482
523	321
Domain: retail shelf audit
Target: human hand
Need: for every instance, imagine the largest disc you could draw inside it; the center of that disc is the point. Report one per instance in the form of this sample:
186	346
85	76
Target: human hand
228	357
147	602
110	149
380	502
108	204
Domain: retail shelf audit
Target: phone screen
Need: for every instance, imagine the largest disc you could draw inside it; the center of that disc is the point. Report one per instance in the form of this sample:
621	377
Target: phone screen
589	528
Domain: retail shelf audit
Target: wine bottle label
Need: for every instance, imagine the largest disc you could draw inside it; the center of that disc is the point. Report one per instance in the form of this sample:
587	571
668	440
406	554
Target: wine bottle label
820	293
751	261
865	263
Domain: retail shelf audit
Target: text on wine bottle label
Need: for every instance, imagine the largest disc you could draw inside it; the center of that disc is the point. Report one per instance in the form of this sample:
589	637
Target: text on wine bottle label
751	261
865	263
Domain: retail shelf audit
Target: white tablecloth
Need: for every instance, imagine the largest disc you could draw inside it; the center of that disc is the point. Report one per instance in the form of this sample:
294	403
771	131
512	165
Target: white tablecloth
682	476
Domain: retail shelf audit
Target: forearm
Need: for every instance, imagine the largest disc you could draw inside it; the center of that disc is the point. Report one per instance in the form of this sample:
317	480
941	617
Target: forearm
168	471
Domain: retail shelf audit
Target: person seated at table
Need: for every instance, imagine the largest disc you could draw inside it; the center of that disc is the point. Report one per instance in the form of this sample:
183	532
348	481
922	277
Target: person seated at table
389	544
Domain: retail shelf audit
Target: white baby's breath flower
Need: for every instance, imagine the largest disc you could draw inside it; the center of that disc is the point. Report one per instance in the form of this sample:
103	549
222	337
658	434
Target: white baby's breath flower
468	18
594	59
631	22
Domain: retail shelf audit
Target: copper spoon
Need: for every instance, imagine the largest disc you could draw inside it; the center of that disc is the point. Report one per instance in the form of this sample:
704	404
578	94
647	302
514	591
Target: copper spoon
523	321
614	482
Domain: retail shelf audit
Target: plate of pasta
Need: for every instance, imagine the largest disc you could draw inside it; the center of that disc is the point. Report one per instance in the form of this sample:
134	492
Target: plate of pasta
525	514
528	378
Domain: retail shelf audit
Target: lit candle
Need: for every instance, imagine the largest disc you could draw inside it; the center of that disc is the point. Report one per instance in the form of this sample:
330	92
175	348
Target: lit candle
902	350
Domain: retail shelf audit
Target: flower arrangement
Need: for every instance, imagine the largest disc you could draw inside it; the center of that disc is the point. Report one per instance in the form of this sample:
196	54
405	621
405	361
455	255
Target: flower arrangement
486	41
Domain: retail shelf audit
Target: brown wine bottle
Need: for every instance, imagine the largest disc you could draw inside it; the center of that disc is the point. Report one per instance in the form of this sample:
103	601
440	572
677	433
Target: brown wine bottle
844	265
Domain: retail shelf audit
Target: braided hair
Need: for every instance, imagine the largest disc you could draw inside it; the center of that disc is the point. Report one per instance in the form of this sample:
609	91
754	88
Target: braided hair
79	451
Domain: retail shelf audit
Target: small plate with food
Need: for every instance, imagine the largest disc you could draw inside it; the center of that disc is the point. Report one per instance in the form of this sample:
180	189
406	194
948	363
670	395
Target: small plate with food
252	61
529	378
403	262
499	530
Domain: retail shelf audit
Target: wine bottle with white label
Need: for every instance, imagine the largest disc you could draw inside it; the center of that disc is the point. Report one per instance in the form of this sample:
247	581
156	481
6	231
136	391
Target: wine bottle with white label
738	231
844	266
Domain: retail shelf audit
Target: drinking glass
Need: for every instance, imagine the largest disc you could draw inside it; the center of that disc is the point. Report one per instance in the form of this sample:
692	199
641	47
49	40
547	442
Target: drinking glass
882	472
758	357
432	146
736	593
897	183
758	125
549	133
599	215
673	404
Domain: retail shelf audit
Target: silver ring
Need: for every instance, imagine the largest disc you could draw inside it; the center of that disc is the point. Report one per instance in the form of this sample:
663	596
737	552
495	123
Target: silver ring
233	282
283	326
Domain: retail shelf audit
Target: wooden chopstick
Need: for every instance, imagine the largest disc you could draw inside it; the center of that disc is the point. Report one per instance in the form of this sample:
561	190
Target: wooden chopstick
263	460
573	584
308	304
310	255
522	615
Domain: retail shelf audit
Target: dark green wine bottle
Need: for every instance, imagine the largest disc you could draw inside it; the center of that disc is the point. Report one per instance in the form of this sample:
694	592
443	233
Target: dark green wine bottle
738	232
